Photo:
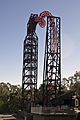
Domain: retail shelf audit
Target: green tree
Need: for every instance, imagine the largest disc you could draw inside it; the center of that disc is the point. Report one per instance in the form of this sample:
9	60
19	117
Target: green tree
10	98
73	83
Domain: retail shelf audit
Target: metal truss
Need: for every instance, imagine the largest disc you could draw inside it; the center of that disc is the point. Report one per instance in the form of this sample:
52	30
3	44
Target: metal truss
52	62
30	65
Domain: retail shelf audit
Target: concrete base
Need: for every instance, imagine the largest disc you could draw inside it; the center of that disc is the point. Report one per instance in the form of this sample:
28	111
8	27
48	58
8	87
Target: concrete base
53	117
47	113
7	117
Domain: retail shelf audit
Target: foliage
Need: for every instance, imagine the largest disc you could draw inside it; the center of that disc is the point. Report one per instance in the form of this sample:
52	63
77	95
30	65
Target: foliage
10	98
72	83
11	95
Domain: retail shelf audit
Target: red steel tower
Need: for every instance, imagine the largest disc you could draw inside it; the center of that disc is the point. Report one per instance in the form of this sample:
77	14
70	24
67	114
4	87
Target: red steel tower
30	65
52	59
52	63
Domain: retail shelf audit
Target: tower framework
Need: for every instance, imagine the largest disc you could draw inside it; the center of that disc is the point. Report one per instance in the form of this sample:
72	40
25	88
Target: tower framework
52	63
30	65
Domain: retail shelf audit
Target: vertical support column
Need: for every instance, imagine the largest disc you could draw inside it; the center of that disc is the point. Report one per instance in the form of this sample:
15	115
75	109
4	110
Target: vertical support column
30	66
52	62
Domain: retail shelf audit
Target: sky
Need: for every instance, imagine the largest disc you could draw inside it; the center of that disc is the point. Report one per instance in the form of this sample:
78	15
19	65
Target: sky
14	15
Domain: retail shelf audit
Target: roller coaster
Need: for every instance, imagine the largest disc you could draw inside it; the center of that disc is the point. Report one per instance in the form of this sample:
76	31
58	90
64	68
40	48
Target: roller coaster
52	61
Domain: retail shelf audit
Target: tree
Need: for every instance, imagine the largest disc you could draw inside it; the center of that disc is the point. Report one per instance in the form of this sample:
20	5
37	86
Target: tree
73	83
10	98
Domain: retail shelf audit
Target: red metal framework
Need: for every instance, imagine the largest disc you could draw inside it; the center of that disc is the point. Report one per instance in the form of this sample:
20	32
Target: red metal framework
40	19
52	63
30	65
52	59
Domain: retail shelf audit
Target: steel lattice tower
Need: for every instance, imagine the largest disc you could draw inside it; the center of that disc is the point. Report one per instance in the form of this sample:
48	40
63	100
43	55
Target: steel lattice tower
52	62
30	65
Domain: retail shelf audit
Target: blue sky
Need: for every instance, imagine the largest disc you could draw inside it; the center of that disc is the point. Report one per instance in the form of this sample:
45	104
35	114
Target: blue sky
14	15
